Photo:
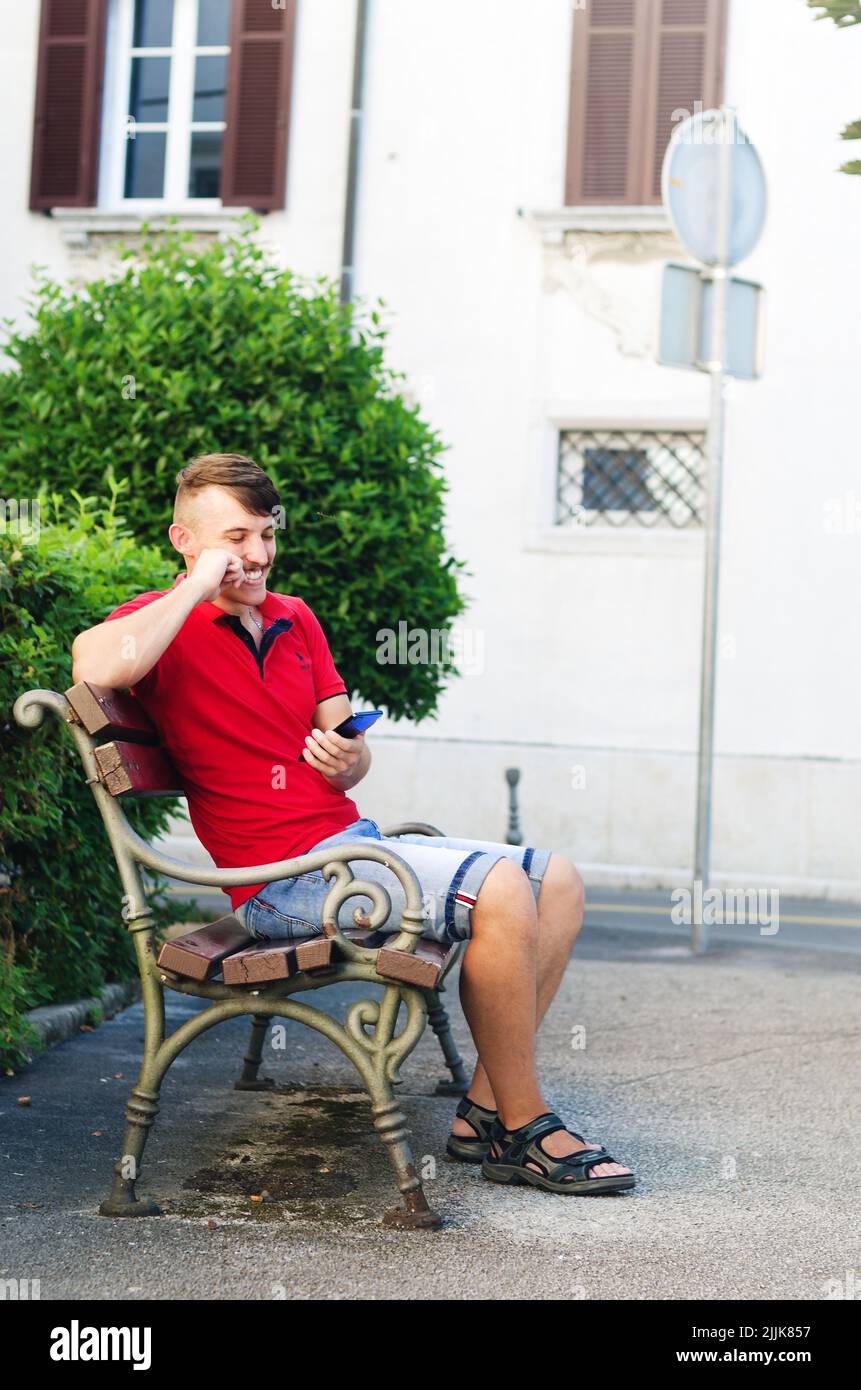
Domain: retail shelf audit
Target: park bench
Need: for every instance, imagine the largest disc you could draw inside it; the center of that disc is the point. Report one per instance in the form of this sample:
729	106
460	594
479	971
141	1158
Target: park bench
221	962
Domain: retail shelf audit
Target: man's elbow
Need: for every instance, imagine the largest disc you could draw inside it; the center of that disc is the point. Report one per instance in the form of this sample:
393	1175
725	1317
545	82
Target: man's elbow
82	672
78	667
83	666
81	669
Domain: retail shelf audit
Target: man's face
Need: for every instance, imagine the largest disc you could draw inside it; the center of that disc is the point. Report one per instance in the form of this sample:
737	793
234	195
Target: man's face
222	523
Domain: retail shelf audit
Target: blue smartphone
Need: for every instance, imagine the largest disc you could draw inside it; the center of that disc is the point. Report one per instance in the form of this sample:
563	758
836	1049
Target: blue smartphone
355	724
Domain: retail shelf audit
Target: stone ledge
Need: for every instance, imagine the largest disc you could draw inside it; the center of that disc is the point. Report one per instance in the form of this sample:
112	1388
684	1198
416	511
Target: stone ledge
57	1023
554	223
79	225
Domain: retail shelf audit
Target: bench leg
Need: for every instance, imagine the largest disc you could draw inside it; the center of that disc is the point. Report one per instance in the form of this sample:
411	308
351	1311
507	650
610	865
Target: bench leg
249	1080
124	1201
391	1125
384	1052
458	1083
377	1055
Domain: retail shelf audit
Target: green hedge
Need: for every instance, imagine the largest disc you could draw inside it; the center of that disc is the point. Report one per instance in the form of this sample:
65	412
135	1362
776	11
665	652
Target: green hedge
188	350
62	934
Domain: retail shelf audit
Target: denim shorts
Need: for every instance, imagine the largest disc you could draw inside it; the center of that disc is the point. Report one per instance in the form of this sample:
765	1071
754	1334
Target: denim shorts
450	873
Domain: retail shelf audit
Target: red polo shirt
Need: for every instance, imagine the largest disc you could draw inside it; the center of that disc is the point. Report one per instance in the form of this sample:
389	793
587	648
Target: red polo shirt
234	720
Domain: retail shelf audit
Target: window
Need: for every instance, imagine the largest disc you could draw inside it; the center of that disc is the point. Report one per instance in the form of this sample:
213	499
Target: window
616	477
637	68
169	105
167	81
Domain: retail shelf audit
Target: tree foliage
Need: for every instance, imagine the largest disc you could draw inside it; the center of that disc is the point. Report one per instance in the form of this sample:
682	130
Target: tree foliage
845	14
62	932
188	350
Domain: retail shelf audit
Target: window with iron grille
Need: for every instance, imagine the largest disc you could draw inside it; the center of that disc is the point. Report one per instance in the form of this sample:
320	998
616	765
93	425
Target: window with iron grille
651	478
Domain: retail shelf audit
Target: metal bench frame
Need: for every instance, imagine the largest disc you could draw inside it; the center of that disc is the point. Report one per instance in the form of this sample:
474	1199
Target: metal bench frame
368	1037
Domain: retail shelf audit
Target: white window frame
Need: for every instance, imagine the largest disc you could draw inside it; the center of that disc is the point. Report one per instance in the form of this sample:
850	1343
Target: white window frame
183	53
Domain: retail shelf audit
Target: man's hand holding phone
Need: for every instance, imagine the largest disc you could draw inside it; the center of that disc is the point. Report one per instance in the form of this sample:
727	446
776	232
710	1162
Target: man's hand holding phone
338	752
332	754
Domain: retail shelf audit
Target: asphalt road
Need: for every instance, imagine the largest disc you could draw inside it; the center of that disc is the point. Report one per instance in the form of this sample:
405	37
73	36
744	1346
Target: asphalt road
729	1082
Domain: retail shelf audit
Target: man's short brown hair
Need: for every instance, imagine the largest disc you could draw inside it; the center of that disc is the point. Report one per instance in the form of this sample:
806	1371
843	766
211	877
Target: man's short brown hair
239	475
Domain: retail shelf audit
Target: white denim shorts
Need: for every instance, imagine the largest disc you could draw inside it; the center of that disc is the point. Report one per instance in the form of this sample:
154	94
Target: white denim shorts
450	872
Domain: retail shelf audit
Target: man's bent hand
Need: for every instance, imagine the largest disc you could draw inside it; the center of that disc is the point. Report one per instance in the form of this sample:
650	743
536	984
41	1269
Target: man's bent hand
342	761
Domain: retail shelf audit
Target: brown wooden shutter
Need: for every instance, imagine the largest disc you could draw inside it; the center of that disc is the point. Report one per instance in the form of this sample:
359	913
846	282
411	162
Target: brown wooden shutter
606	90
258	103
635	62
685	68
68	103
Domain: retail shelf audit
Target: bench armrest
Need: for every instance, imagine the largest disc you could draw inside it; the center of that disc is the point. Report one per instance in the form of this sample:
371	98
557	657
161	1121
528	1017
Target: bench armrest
334	862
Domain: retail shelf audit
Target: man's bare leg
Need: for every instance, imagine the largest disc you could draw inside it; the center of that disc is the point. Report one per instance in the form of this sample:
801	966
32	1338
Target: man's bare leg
561	900
507	981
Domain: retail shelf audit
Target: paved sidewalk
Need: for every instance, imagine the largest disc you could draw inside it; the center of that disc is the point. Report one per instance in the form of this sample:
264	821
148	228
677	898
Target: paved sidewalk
729	1083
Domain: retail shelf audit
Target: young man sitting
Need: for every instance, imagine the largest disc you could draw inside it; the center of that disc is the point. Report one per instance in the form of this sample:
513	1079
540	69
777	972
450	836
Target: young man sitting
238	679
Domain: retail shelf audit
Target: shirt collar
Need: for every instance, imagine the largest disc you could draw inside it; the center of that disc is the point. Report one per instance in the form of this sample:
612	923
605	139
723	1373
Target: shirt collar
271	607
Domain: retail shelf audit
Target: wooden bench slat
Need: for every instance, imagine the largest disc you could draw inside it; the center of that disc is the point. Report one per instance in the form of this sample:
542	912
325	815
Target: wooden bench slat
111	713
316	954
227	947
198	955
137	770
422	967
272	960
260	963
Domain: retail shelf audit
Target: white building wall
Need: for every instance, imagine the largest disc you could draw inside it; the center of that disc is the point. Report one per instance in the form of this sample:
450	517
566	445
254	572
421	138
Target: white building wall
508	328
601	663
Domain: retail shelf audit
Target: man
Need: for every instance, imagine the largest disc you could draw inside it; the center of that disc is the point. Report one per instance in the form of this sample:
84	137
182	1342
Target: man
237	678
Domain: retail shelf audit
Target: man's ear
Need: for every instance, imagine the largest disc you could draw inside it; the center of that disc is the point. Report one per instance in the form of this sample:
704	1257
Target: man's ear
180	537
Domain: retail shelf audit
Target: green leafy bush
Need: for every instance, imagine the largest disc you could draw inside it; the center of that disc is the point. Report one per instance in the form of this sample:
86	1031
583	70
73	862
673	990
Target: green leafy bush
62	934
188	351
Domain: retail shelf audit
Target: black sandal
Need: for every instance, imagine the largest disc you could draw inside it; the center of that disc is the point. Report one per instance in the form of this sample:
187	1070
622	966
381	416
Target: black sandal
463	1146
511	1151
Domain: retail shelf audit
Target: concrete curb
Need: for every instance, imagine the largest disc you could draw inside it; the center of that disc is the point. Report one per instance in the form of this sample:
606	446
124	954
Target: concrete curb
57	1023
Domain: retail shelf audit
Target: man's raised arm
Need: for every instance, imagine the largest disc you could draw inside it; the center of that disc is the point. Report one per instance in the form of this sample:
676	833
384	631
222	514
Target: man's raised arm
119	653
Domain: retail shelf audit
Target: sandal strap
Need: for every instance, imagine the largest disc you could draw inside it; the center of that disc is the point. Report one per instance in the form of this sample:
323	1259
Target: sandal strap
545	1123
465	1104
557	1169
477	1117
522	1144
548	1114
516	1142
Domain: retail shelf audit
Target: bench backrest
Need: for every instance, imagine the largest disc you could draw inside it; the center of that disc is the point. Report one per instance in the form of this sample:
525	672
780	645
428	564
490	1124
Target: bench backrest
130	761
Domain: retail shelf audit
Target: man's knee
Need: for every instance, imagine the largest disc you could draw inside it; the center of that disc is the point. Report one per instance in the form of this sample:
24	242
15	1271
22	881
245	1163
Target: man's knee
506	891
563	879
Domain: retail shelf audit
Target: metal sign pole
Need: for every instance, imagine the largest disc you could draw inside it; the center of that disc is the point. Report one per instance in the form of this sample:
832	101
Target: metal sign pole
717	372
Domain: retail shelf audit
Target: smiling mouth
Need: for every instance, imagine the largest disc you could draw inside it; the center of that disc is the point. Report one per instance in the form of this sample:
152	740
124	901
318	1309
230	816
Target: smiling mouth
254	575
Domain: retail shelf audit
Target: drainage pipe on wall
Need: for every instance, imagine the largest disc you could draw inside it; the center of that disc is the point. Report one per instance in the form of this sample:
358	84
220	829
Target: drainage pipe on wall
356	119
